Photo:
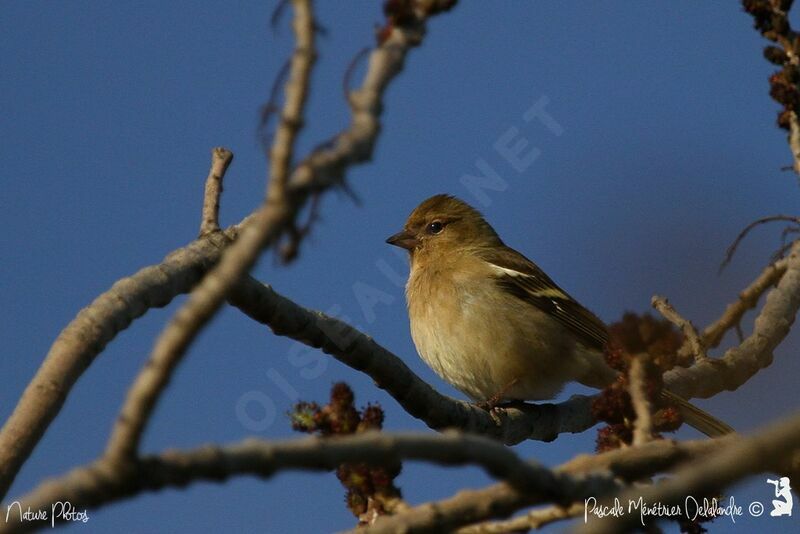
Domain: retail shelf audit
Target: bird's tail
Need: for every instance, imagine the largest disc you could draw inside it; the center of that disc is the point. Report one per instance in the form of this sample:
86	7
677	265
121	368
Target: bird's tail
697	418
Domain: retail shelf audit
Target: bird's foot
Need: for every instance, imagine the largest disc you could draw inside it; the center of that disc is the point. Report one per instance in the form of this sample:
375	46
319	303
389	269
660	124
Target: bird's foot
489	404
497	408
495	400
495	404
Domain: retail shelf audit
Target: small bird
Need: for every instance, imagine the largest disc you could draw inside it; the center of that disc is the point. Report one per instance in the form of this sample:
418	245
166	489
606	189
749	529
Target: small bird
490	322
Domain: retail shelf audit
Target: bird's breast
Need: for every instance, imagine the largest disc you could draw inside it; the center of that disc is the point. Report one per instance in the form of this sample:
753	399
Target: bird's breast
456	330
484	341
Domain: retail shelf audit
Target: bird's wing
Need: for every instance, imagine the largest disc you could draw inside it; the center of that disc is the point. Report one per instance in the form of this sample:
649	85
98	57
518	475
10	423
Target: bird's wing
524	279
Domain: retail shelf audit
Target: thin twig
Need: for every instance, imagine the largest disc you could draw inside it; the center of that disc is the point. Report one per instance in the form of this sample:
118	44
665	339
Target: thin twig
295	234
350	70
748	298
220	160
271	107
277	14
785	246
739	332
643	428
733	246
297	86
794	139
689	331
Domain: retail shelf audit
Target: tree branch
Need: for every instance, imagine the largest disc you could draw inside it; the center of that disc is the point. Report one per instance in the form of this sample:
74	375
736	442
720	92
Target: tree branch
747	229
359	351
643	429
708	377
748	298
693	340
220	160
103	481
297	87
87	335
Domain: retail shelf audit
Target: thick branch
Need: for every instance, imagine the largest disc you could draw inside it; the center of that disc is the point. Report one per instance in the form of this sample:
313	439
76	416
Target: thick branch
102	481
359	351
708	377
748	298
88	334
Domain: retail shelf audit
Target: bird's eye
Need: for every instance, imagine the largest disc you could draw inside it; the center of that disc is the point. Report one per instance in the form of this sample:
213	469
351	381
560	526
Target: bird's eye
435	227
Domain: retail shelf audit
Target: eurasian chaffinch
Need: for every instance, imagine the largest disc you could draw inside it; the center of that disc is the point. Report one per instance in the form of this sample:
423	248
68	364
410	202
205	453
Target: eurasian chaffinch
490	322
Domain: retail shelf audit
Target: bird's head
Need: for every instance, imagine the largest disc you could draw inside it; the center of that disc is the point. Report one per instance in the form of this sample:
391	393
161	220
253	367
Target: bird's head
444	224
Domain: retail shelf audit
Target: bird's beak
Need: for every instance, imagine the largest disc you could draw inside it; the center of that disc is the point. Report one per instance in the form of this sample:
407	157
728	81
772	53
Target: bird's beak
403	239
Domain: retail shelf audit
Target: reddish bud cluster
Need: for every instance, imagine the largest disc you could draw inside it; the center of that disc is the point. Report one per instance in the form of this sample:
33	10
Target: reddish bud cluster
775	55
640	336
783	87
766	19
400	13
771	19
337	417
371	491
635	334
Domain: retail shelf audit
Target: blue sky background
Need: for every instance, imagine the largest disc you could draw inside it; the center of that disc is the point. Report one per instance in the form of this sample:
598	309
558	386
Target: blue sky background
107	116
